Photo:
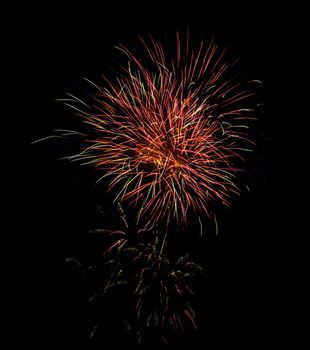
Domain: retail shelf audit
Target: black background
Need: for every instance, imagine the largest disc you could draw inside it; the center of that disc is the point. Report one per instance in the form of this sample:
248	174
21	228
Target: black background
247	302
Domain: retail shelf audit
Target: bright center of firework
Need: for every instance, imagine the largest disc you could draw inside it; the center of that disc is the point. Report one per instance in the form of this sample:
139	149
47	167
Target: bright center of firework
167	160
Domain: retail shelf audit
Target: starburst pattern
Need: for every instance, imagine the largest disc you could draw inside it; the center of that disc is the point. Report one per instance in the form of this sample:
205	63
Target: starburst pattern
169	132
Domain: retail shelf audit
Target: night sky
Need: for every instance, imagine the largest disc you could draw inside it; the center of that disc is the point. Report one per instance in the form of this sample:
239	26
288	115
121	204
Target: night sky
241	300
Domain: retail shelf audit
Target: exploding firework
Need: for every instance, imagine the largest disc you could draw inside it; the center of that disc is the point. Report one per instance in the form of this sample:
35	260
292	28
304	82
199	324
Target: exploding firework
169	132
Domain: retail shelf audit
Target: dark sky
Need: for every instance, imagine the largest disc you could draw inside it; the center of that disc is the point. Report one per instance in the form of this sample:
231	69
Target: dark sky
59	46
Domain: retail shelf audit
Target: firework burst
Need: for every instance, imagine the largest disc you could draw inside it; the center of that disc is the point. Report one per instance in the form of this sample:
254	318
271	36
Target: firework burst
169	132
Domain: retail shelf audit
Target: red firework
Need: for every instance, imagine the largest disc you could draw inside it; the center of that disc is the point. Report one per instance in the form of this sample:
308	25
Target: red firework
168	133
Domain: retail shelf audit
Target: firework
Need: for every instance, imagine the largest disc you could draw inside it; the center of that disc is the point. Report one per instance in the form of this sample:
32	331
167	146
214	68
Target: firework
168	132
161	288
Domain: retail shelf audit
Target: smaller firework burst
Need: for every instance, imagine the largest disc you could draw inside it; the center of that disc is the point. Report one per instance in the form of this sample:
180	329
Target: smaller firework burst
160	289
